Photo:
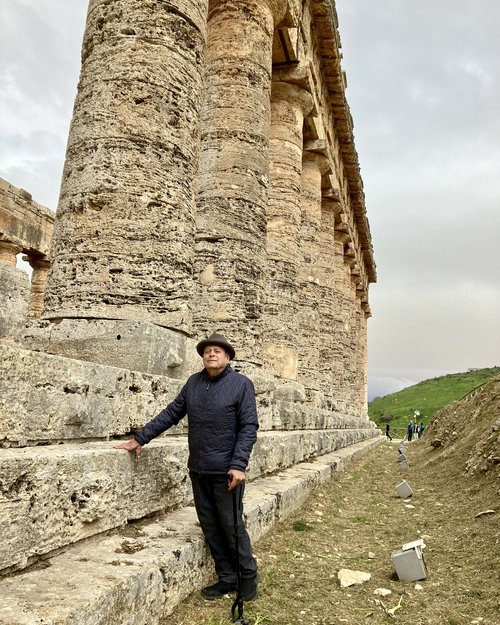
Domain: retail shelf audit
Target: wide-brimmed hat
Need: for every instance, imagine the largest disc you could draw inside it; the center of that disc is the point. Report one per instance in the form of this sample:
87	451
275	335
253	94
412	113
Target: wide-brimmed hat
216	339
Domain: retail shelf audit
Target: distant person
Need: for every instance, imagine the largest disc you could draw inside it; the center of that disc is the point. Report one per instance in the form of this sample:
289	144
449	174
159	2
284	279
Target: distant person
410	431
421	430
387	428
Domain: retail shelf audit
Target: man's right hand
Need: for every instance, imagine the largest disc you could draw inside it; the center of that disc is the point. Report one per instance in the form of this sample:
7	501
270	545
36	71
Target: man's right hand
130	445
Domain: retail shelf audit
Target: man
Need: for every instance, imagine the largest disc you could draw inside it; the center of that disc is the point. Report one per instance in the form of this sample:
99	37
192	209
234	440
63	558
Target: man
387	432
410	431
222	417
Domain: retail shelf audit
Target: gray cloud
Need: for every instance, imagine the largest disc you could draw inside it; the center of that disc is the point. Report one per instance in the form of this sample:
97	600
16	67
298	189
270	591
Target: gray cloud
423	89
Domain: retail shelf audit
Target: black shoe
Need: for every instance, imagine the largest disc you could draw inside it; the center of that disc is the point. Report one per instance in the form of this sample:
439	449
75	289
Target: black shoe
218	590
249	588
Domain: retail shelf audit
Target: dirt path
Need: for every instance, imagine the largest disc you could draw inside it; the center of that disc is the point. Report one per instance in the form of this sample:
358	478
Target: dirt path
355	522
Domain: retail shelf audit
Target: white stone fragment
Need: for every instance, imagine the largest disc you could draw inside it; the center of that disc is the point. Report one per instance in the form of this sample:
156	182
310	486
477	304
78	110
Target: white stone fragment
382	592
347	577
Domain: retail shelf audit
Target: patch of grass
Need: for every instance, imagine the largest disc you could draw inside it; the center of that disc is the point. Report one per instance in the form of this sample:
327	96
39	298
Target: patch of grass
301	526
361	519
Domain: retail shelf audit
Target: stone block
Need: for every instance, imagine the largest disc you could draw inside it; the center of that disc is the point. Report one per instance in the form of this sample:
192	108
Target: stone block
58	494
50	398
23	221
135	345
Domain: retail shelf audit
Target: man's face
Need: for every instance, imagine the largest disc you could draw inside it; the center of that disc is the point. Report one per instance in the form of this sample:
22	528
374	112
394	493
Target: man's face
215	359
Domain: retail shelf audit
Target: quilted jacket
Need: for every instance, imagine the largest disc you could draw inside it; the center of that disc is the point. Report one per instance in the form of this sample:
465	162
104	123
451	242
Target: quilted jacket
222	418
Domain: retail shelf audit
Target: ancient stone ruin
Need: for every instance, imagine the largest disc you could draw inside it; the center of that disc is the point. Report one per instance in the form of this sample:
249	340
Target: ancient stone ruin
211	183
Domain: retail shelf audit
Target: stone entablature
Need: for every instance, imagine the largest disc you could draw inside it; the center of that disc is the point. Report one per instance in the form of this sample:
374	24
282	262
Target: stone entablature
23	222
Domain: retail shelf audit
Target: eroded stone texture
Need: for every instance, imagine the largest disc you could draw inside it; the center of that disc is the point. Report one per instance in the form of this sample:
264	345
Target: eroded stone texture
23	221
233	174
14	295
308	338
46	398
124	253
136	345
329	338
25	226
57	496
40	267
289	105
124	235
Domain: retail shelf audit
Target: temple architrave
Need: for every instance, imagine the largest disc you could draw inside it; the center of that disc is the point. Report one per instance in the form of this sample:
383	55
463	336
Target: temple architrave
211	183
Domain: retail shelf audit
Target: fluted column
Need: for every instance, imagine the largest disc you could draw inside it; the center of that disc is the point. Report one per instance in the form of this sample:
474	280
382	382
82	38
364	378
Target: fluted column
308	338
123	244
40	268
346	346
328	352
289	105
233	177
362	350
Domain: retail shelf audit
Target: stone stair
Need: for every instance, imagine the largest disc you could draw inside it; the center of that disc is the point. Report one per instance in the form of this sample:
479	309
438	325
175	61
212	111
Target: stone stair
79	543
139	573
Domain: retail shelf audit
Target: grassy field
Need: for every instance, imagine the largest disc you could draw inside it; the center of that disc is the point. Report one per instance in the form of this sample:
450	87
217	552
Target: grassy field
427	397
355	522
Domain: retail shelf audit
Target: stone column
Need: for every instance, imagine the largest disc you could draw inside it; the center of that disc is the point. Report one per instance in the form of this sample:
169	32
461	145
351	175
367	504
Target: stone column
345	312
233	174
40	268
289	105
362	390
14	289
123	244
309	336
328	349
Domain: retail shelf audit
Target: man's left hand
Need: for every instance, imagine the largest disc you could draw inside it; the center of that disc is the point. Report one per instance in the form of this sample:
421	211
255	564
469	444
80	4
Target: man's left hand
236	478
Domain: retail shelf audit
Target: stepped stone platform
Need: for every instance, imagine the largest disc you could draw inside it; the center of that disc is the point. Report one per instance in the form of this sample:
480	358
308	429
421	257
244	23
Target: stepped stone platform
70	502
50	398
137	574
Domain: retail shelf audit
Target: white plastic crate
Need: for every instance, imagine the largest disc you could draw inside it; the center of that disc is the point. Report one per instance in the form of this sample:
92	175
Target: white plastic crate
404	490
409	561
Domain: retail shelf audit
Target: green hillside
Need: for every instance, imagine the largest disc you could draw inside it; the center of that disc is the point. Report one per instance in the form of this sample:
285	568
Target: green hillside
427	396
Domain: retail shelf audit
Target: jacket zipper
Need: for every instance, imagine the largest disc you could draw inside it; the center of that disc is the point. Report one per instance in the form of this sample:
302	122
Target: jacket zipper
201	429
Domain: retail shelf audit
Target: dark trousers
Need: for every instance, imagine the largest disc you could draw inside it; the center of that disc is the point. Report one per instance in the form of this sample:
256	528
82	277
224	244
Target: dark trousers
214	506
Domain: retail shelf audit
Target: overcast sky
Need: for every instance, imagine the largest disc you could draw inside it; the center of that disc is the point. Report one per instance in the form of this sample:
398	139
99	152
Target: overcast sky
423	86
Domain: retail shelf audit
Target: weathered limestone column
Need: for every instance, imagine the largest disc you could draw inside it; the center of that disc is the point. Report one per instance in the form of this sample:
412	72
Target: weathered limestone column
314	166
14	289
123	244
362	368
233	174
345	385
289	105
40	268
328	351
